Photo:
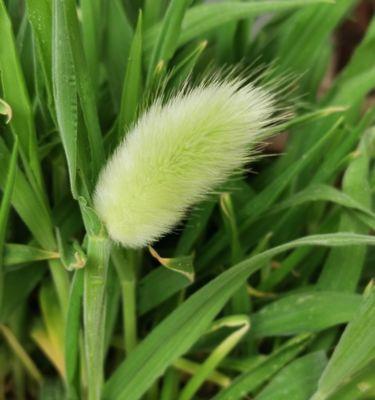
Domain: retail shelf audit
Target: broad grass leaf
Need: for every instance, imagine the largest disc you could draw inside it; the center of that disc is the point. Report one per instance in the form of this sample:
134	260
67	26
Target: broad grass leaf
15	254
181	329
252	379
297	381
355	350
65	90
305	312
342	270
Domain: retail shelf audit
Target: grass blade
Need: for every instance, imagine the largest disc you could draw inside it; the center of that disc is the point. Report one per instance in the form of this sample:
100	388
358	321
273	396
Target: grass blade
242	325
305	312
165	44
15	254
85	87
65	90
72	335
180	330
355	349
39	13
342	270
28	204
203	18
252	379
15	93
131	90
4	213
296	381
17	348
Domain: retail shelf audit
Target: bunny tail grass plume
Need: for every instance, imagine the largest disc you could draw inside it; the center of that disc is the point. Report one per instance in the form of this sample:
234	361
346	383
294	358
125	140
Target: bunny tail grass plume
176	154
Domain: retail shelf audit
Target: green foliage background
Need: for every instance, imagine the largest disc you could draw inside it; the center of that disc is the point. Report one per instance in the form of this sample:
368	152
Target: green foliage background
264	291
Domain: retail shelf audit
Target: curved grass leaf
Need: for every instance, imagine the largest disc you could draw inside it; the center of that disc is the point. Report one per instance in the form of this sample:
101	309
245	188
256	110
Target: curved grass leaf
354	351
305	312
15	254
321	192
180	330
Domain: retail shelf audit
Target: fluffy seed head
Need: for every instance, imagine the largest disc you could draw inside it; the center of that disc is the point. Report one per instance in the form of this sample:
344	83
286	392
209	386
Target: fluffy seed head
176	154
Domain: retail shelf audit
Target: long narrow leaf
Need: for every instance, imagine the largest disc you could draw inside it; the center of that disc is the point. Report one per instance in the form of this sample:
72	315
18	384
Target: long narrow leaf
180	330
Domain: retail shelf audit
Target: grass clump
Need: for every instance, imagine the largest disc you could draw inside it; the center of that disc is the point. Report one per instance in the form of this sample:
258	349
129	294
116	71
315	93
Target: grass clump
258	284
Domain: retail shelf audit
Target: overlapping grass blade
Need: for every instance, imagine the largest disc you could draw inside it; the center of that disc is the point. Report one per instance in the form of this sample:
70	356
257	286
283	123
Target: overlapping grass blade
241	324
252	379
325	193
40	17
21	353
299	49
28	204
4	213
296	381
15	93
202	18
18	286
72	335
305	312
355	350
165	44
85	86
342	270
65	91
180	330
92	16
116	51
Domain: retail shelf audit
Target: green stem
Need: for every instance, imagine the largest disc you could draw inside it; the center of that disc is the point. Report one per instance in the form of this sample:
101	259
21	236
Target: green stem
242	325
128	291
170	384
126	269
95	276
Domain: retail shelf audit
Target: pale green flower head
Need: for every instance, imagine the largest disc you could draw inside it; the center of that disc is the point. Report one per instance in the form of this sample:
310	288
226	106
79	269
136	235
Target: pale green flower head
178	153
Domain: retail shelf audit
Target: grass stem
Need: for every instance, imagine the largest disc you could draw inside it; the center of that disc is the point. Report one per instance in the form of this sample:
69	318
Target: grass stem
125	265
94	311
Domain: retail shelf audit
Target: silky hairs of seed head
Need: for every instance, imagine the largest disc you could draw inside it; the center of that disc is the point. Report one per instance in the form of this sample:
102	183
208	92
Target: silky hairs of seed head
176	154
